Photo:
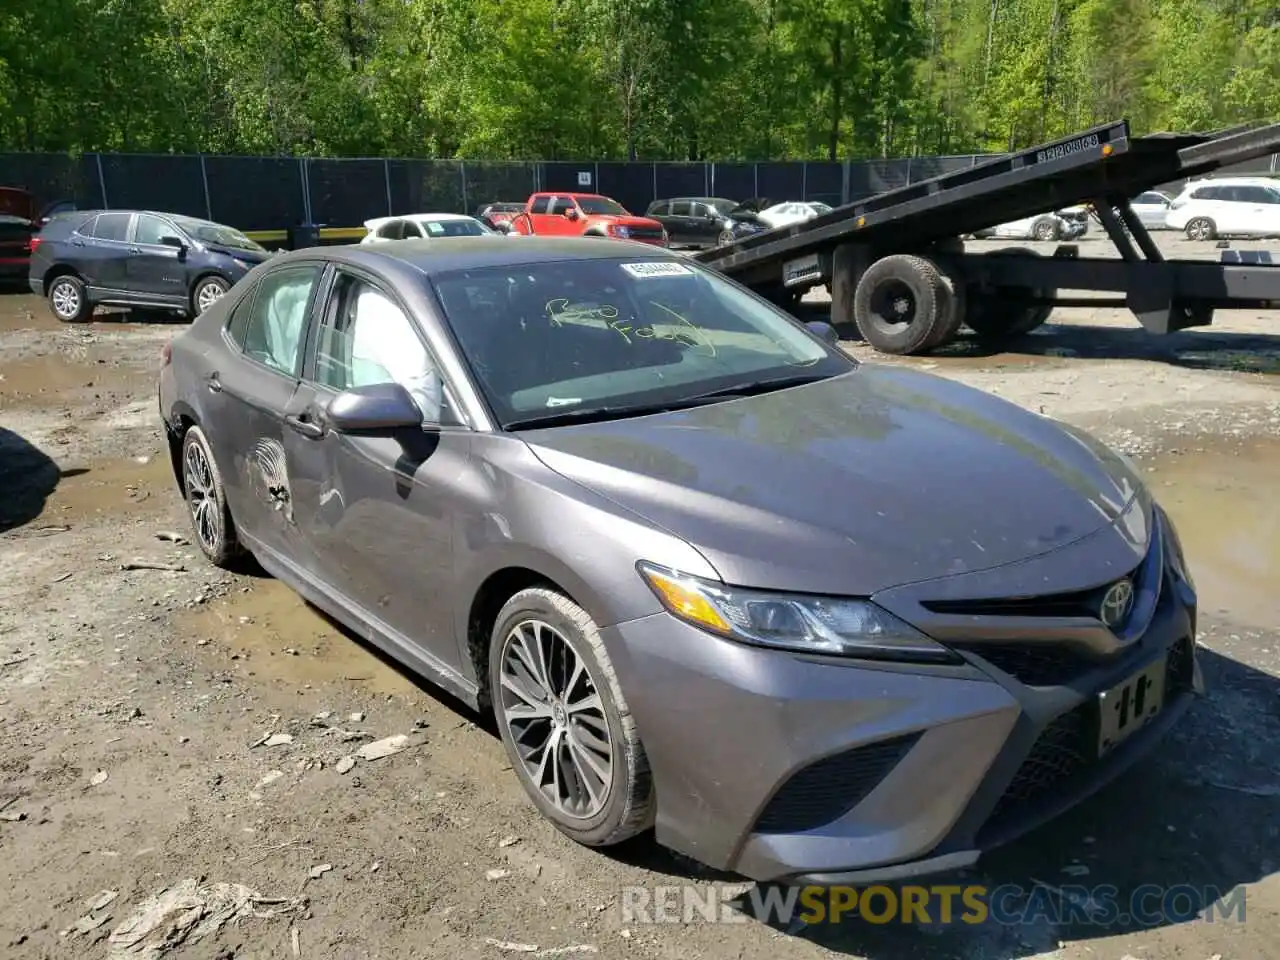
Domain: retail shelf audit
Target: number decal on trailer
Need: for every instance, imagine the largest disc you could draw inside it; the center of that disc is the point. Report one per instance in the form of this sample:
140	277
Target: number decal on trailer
1079	145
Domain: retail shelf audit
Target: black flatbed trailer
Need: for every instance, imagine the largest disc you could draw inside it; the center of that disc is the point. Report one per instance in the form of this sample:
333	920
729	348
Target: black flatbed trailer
898	273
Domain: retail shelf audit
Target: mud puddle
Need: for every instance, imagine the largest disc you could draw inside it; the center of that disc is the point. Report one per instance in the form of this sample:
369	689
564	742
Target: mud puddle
273	634
56	380
112	488
1223	500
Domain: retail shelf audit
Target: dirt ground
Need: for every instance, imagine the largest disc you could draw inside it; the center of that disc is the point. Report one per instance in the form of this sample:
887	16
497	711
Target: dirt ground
131	701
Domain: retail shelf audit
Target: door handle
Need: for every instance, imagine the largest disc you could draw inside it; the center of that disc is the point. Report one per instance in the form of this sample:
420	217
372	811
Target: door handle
305	426
214	384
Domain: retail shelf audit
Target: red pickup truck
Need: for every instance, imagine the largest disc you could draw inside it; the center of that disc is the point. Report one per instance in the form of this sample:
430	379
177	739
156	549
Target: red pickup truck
584	215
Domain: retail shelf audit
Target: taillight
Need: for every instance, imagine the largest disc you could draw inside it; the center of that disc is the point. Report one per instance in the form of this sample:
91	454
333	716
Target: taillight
32	244
166	353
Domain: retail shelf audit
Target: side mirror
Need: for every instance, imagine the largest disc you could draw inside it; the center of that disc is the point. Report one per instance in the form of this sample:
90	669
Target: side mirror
176	242
825	331
572	213
380	409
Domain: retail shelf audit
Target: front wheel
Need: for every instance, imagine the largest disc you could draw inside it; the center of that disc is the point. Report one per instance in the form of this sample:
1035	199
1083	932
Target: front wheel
1201	228
1045	230
69	300
564	722
208	292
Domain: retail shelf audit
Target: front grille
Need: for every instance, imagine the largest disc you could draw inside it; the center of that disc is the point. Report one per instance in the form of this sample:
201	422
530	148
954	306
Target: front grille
1035	664
1082	603
828	789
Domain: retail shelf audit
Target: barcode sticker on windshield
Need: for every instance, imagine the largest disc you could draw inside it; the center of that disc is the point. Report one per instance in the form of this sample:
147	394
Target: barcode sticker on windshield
659	268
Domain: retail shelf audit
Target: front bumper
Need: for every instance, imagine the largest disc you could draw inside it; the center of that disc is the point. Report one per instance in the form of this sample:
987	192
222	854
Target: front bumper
809	770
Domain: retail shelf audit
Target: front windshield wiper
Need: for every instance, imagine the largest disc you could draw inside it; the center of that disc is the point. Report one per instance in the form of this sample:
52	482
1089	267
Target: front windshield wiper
590	414
753	387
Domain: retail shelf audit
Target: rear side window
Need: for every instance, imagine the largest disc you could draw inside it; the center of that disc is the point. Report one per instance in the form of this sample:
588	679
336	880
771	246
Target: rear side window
112	226
659	208
540	205
392	230
238	325
277	321
681	208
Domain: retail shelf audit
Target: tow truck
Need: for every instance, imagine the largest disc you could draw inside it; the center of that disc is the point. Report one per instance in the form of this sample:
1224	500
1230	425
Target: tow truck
902	279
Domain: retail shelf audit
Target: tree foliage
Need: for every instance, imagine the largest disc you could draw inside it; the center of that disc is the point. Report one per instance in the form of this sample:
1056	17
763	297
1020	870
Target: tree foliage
619	79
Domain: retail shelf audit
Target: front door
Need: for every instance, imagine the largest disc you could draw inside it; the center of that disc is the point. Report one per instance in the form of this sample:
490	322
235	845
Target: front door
378	512
155	269
250	396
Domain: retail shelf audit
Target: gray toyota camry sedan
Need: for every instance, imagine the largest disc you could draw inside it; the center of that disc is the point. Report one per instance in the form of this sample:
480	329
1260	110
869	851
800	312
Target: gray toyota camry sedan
808	619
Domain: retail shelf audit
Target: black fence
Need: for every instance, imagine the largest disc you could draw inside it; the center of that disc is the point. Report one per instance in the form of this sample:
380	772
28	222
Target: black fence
272	193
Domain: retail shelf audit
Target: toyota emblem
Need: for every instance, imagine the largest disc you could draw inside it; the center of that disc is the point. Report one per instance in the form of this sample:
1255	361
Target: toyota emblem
1117	604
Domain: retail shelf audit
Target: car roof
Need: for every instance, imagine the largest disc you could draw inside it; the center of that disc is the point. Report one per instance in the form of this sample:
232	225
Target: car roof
1259	181
447	254
376	222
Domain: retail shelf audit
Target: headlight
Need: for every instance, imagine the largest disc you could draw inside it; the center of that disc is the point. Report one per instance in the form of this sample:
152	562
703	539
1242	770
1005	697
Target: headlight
797	622
621	231
1173	546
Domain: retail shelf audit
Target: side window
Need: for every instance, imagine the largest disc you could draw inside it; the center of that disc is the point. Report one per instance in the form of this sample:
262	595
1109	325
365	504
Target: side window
681	208
1256	195
277	321
561	205
1153	199
238	325
86	229
390	230
660	208
366	339
112	226
411	230
540	205
149	229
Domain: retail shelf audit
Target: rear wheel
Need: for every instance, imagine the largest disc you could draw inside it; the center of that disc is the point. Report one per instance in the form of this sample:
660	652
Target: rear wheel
564	722
902	304
1045	230
1201	228
1008	311
206	501
69	300
725	238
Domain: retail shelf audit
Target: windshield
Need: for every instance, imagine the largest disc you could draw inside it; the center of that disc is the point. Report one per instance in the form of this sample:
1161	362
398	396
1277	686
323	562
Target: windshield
602	205
454	228
819	207
551	338
216	234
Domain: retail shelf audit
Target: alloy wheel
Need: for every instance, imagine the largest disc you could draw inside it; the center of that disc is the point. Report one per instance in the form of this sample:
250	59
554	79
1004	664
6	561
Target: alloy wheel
552	710
202	497
65	299
207	295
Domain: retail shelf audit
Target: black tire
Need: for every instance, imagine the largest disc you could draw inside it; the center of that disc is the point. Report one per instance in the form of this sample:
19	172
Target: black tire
629	804
725	238
956	310
69	300
215	533
205	292
1045	230
1008	311
1201	228
900	304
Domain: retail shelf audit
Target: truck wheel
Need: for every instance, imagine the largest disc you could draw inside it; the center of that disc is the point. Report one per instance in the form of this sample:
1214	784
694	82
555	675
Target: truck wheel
957	309
901	304
1008	311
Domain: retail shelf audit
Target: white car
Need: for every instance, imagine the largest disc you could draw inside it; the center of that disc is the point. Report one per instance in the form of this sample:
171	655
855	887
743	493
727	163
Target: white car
1069	223
412	226
1227	207
785	214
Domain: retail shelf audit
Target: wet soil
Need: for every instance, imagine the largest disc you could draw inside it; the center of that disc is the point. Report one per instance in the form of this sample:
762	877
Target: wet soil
165	680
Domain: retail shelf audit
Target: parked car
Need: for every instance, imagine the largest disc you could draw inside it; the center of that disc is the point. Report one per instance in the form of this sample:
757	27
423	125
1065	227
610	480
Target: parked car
1152	209
497	214
744	221
693	221
785	214
1068	224
618	532
1227	207
137	258
585	215
413	226
17	227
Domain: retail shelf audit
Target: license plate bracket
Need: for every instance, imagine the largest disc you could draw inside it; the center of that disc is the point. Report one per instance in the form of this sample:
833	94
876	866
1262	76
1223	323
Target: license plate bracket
1130	705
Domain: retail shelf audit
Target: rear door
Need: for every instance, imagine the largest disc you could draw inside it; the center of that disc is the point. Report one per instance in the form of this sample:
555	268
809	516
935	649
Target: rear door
252	390
704	225
1262	213
681	222
539	214
1151	209
155	269
102	257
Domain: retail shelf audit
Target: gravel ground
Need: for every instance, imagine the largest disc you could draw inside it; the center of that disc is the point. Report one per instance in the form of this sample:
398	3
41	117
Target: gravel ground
133	702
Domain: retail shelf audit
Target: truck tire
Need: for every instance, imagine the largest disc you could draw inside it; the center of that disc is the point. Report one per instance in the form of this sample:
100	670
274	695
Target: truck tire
957	309
902	302
1008	312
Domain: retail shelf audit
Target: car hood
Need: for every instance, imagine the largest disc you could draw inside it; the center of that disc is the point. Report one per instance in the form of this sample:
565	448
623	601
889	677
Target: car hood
241	254
872	479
